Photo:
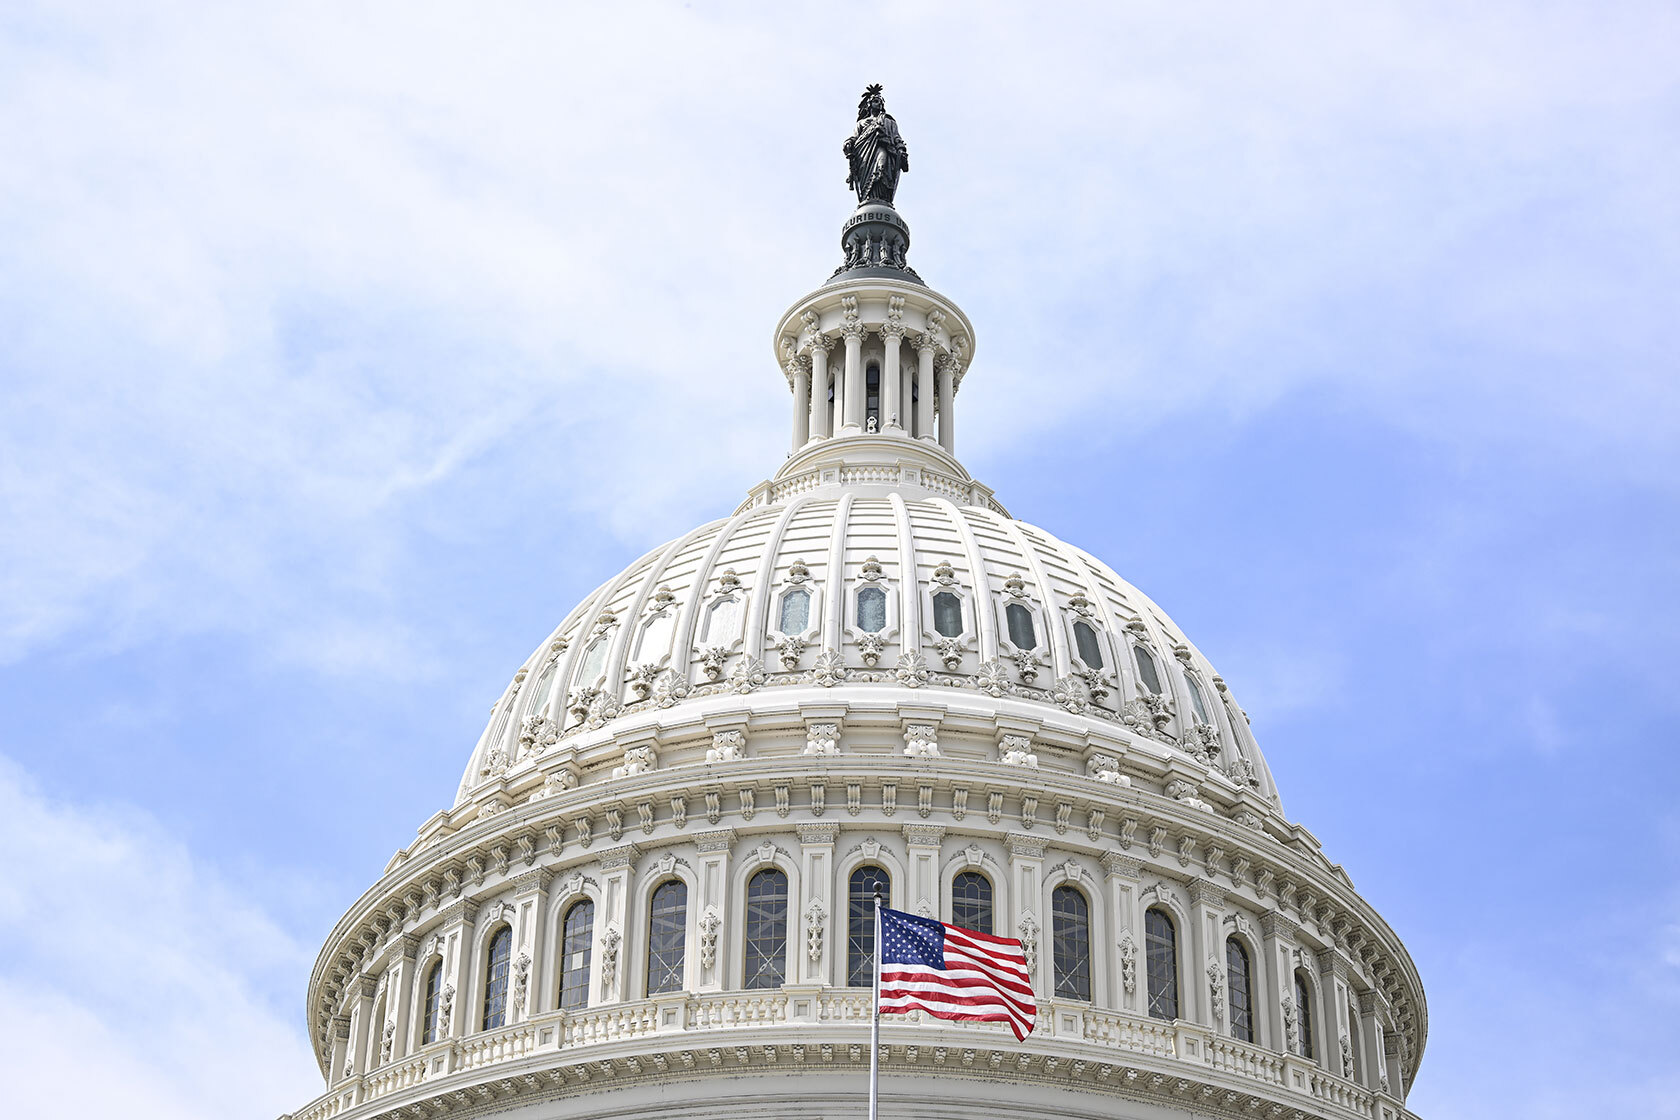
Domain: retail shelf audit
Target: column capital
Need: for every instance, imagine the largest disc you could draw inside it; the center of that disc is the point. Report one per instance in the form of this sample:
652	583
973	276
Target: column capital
1274	924
1122	867
925	342
715	840
815	833
924	835
854	330
533	882
1023	846
1205	892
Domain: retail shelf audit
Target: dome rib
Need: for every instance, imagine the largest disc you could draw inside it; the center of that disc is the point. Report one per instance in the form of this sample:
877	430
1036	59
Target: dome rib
910	579
1060	665
985	620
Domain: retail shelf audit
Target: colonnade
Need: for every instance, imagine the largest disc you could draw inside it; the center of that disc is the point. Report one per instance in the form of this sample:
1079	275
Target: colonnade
916	398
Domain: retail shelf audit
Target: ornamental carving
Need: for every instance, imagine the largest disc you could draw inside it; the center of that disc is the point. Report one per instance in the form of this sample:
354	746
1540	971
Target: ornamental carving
790	650
388	1041
521	981
1202	743
671	688
642	679
1071	693
1149	713
1291	1026
711	661
536	734
1028	929
727	746
446	1005
748	675
816	917
1216	989
709	923
921	741
912	671
829	670
1347	1056
871	570
495	762
943	573
870	648
637	760
1106	768
558	782
1128	963
992	679
1016	750
950	652
1026	665
822	739
609	958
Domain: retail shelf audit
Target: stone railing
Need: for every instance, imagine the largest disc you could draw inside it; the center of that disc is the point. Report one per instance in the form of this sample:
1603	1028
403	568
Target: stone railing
641	1036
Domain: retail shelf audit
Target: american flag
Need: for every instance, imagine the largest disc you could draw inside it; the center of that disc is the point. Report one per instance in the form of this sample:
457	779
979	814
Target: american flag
953	973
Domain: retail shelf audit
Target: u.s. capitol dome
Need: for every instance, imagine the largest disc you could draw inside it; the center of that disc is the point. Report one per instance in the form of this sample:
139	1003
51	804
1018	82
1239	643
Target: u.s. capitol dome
652	893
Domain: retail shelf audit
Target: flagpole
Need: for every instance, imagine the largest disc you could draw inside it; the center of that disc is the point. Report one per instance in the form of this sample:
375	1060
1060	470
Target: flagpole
875	1021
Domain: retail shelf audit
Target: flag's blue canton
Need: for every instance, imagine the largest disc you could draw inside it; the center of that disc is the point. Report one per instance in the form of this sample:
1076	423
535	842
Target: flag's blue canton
908	939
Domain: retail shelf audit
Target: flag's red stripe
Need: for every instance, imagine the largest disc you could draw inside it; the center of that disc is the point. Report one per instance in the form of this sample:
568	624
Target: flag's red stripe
1019	1025
955	981
955	993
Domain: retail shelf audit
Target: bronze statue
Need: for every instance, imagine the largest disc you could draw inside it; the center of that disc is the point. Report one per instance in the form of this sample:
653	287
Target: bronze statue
876	151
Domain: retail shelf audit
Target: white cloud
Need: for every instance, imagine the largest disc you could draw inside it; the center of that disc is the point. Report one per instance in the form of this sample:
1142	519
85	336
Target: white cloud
274	277
136	980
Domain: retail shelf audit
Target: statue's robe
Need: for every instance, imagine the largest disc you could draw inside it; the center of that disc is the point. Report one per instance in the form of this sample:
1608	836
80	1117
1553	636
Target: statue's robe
878	156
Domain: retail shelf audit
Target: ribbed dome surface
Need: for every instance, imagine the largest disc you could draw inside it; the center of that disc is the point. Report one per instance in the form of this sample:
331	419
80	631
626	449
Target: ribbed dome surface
867	587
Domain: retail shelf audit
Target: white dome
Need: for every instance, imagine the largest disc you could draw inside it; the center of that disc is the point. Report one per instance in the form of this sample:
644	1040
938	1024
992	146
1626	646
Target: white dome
697	624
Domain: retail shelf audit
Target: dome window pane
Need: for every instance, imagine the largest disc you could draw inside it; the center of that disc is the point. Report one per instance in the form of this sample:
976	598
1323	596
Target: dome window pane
947	614
1160	940
576	938
767	930
434	992
971	902
667	937
1196	698
1020	621
1239	997
860	924
496	979
1086	639
872	394
1303	1011
594	663
1070	929
796	611
872	610
723	622
1146	670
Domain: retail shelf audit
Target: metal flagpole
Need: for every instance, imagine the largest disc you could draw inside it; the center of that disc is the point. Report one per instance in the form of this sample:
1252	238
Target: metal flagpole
875	1021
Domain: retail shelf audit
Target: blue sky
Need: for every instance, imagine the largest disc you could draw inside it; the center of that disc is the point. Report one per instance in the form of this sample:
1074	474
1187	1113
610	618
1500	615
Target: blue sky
343	349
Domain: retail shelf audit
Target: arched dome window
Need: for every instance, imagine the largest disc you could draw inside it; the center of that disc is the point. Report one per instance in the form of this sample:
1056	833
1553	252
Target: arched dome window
796	611
577	936
1160	952
872	610
1085	637
1021	631
1196	699
496	979
434	993
1239	995
947	614
767	930
971	902
667	937
1070	930
1146	669
860	924
1303	1011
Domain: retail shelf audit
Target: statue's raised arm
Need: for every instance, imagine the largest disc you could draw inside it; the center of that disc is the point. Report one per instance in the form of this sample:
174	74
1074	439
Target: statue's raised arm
875	151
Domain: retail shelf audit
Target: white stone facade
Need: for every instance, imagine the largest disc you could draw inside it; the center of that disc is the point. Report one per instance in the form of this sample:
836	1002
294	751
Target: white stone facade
870	668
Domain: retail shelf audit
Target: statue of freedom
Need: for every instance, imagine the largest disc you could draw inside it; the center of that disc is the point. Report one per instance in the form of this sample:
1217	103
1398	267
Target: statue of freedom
876	152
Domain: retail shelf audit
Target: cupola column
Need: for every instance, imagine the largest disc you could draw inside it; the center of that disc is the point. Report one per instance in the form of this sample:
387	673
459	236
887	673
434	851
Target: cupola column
853	333
801	374
924	386
819	422
947	397
892	376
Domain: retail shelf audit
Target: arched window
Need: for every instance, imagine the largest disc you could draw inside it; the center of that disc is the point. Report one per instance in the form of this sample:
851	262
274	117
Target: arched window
871	610
1160	952
496	979
947	614
1303	1010
1070	935
577	935
375	1045
1086	639
871	397
434	992
767	930
860	924
1146	670
1020	621
1239	995
1196	699
667	937
796	611
971	902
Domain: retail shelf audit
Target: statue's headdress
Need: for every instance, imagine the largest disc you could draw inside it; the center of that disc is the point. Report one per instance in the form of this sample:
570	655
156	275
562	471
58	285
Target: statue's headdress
871	93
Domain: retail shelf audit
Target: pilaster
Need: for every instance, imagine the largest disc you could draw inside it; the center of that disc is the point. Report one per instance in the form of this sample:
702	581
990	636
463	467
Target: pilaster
1026	892
1126	920
821	922
922	841
711	907
1207	911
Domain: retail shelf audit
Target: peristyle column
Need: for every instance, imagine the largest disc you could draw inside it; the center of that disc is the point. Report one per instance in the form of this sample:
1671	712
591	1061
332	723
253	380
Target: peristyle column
853	333
892	380
820	418
801	374
947	394
924	386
